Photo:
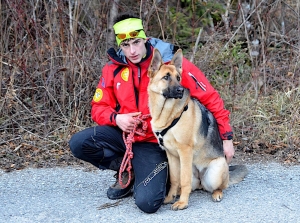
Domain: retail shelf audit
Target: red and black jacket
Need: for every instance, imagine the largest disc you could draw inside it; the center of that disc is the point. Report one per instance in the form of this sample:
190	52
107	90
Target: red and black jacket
123	89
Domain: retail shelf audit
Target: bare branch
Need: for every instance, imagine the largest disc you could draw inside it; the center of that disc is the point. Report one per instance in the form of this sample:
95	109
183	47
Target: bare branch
196	45
242	24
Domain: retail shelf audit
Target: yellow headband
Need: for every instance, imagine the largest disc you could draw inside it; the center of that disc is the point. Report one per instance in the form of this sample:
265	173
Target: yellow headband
129	25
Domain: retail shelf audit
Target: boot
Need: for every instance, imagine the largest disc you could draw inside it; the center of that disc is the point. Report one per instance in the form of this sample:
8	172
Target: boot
116	191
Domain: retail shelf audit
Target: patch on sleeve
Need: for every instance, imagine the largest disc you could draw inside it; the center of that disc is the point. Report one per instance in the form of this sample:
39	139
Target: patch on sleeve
125	74
98	95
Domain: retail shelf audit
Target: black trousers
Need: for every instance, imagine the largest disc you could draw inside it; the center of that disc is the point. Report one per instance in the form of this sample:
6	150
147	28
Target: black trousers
102	145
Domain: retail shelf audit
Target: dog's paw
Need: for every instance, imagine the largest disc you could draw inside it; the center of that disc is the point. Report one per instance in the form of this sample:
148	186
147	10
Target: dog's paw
217	195
169	199
179	205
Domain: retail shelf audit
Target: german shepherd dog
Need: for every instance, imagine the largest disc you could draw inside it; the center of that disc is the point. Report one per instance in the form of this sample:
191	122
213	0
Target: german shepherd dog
189	134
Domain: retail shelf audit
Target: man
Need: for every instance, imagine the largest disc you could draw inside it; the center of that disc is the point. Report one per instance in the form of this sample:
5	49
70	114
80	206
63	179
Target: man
120	97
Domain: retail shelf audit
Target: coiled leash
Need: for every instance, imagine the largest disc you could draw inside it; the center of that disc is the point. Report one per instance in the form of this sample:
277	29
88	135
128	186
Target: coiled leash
139	128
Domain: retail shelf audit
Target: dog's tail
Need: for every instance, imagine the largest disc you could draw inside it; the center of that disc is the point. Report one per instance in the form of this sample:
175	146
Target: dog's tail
237	173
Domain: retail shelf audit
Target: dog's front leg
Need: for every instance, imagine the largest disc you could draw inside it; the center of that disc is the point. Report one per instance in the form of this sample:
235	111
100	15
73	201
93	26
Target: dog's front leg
186	173
174	171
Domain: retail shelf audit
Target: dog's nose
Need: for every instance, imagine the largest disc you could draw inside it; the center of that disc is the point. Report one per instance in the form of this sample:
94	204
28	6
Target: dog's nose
180	89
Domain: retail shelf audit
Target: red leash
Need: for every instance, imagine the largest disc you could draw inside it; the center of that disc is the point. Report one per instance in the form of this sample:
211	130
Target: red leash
138	129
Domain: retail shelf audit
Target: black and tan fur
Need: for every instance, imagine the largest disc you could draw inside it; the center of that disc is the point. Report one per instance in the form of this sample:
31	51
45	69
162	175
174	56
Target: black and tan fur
193	144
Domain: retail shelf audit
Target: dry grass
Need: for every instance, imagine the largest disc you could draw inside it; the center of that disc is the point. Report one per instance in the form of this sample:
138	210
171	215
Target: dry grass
270	125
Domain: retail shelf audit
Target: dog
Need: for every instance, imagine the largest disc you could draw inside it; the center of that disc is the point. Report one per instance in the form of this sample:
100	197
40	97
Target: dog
189	134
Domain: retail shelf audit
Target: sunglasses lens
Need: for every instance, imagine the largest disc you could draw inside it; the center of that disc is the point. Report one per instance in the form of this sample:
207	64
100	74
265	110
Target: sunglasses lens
133	33
121	35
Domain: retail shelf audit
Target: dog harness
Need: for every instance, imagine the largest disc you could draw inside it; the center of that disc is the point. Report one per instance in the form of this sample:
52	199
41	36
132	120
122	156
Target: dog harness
161	134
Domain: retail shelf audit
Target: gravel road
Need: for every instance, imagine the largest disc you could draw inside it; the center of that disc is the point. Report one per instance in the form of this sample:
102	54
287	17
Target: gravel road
270	193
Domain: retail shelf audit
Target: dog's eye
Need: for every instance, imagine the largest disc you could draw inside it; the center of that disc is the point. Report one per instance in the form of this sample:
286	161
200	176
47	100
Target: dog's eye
166	77
178	78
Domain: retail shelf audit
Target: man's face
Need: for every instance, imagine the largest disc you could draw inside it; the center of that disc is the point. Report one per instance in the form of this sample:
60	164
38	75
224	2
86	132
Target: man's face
134	49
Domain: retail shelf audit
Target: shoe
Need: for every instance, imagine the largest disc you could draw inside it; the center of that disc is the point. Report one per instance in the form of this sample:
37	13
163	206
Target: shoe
116	191
115	164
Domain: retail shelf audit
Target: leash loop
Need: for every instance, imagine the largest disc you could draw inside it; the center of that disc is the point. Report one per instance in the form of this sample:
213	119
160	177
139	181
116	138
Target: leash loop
139	128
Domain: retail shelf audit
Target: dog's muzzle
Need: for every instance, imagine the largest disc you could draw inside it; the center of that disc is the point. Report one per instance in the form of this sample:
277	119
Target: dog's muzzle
175	92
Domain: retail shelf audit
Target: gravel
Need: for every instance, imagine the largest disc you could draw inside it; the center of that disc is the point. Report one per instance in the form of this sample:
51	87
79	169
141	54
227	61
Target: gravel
270	193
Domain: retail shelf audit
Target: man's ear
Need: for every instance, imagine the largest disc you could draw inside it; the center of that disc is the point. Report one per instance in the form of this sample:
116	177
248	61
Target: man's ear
156	63
177	60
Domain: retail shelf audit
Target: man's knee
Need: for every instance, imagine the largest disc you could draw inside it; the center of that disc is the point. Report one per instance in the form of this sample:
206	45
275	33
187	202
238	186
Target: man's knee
147	204
75	145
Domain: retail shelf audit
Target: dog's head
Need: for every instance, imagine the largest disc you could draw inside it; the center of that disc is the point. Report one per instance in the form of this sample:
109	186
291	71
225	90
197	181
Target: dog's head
165	78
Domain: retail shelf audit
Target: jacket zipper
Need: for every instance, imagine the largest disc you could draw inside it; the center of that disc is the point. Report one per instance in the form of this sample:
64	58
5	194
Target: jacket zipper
135	89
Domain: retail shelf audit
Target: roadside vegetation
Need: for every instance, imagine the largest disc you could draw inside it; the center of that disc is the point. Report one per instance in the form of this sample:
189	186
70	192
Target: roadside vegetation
52	52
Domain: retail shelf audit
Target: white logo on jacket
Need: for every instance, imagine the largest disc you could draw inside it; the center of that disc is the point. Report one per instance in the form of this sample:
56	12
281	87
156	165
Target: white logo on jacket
118	85
200	84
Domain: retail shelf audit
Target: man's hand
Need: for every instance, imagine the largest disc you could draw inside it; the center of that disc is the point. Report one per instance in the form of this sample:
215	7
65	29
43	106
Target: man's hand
228	150
126	121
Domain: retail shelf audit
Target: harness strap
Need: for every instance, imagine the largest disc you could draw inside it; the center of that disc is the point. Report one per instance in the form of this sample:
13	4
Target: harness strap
161	134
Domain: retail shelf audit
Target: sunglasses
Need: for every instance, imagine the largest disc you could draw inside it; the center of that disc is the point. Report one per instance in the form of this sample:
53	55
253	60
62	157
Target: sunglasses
132	34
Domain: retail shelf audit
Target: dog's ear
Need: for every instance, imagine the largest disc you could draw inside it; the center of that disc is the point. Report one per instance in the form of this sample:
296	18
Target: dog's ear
177	60
156	63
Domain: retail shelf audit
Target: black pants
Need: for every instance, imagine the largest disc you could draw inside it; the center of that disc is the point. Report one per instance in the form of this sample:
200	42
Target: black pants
102	145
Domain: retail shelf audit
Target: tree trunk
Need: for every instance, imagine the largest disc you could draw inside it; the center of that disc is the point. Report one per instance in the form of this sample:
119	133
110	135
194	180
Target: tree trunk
111	40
